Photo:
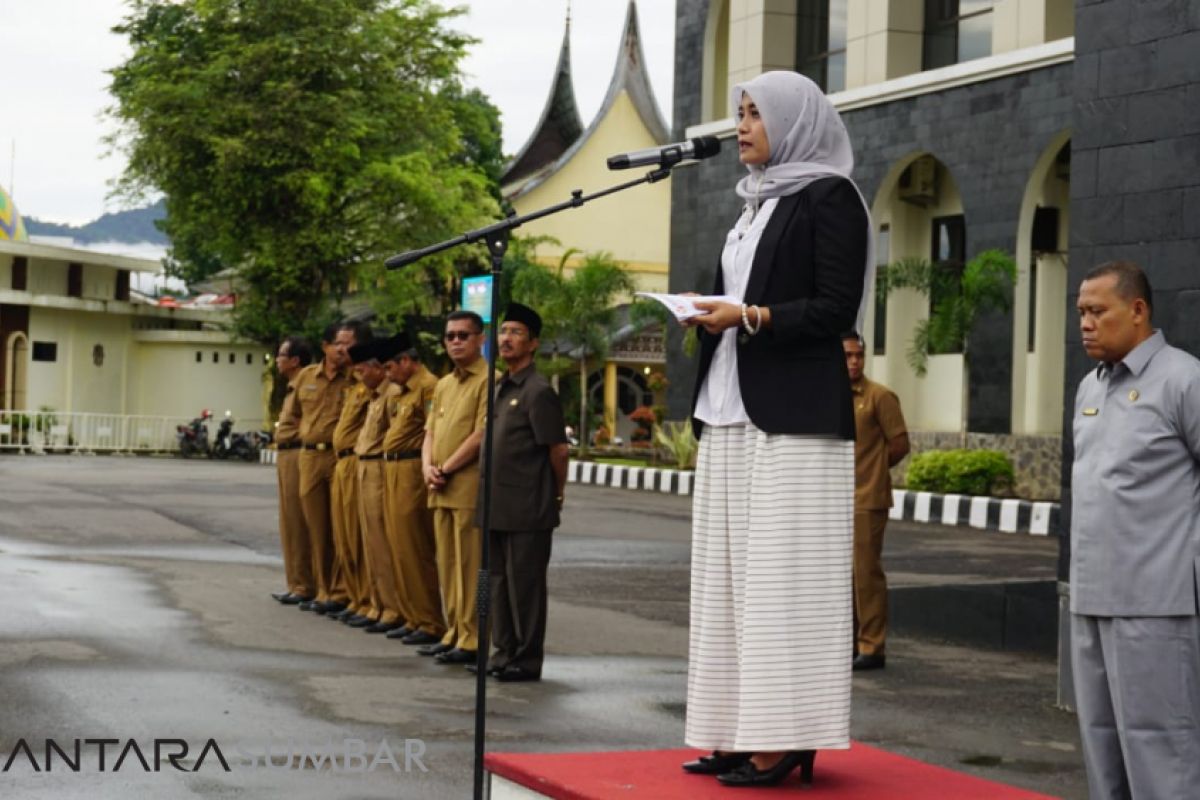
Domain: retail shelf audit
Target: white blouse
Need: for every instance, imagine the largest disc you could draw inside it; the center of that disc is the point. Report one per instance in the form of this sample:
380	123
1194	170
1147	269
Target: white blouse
720	400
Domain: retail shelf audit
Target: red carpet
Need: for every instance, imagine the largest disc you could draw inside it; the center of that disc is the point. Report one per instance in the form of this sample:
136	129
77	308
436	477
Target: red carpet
861	773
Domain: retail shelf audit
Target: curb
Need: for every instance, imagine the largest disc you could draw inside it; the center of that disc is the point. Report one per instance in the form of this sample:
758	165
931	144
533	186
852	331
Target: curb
985	513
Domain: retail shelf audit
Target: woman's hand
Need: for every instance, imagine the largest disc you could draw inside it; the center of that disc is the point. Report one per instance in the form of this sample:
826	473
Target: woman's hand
717	316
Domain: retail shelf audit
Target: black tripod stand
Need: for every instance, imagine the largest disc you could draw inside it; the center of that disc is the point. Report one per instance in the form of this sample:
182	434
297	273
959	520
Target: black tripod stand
496	237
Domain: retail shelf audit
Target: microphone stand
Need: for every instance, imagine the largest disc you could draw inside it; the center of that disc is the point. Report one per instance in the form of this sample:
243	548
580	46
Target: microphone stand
496	238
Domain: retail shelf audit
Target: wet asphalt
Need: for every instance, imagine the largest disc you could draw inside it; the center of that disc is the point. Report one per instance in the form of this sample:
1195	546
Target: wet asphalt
136	610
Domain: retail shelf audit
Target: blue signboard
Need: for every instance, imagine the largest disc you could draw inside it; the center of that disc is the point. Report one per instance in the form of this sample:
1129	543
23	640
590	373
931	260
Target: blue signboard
477	296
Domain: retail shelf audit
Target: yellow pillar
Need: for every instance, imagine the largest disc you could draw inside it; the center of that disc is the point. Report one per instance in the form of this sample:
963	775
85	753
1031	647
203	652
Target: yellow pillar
610	397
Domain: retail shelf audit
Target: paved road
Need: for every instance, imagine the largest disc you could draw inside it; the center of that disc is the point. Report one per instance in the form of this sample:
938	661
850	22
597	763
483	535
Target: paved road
135	608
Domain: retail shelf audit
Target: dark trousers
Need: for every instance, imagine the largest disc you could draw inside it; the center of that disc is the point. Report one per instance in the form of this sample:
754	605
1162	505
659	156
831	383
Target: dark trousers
518	587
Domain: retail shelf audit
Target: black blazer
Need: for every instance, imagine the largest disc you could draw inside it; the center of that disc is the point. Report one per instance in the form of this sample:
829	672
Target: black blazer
808	269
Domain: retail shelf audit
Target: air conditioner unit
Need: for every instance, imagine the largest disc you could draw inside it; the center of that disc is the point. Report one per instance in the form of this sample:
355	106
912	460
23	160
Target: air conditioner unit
919	182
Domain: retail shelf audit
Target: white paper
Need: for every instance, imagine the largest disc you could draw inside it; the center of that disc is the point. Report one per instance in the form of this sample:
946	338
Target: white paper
684	306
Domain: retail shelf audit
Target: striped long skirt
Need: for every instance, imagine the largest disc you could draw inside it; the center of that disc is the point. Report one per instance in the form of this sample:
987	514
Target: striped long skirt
771	621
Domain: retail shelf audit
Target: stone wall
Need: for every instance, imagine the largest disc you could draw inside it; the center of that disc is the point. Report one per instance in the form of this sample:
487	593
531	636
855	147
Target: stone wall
1036	459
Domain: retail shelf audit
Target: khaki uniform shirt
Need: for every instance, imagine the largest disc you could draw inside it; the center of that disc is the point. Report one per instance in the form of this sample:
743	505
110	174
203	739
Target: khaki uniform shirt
877	420
354	411
287	430
459	409
408	408
528	420
320	402
375	420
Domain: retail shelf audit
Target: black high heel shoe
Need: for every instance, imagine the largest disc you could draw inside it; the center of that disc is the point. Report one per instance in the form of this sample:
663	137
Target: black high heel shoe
716	764
750	776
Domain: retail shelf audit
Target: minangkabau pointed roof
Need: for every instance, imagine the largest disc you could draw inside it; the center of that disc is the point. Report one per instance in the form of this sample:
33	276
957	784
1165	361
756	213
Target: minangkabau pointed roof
629	76
559	126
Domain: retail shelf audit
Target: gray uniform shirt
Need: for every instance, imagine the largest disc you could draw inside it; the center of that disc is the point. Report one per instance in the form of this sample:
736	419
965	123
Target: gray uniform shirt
1135	485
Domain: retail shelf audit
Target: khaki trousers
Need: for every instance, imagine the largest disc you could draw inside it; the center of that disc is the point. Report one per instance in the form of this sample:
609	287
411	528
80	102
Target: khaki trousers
377	552
870	584
348	579
458	571
293	533
410	533
316	478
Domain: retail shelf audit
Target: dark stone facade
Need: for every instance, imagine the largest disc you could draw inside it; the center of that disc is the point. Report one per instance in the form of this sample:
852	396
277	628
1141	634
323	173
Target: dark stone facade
1135	172
989	135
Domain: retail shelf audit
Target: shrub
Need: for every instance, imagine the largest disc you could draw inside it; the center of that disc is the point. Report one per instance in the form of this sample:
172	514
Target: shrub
977	472
679	442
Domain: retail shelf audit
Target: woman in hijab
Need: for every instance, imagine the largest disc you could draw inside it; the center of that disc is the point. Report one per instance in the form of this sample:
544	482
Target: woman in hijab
773	513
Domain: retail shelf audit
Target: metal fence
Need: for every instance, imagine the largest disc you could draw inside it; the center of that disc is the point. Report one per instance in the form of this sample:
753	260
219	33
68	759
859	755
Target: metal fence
41	432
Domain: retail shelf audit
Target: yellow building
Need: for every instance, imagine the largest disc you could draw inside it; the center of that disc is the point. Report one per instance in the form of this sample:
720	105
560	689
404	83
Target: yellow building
634	226
76	338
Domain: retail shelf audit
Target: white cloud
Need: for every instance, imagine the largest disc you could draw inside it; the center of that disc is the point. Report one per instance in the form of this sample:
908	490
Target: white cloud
54	54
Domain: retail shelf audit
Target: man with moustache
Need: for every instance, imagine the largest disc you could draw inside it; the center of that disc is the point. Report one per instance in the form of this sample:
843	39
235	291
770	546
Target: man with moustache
450	466
293	355
1135	546
320	390
409	518
376	566
529	473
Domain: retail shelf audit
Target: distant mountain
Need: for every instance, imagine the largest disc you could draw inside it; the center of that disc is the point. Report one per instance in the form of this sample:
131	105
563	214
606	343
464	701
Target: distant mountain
134	225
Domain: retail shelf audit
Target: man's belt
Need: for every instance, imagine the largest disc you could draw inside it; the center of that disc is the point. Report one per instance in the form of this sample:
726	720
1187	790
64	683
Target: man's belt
401	455
349	451
288	445
319	446
373	457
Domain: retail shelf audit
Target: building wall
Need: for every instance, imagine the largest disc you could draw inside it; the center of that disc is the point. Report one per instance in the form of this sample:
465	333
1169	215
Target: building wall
167	380
989	135
1135	188
74	382
632	225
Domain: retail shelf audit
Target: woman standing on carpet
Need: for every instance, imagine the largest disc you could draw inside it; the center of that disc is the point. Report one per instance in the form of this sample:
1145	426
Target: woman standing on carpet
773	508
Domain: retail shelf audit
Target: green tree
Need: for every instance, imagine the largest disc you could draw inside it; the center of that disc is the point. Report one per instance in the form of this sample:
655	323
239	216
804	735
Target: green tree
985	284
301	142
579	311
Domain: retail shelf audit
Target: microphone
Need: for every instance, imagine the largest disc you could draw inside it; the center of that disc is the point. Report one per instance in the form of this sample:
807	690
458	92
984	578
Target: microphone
668	155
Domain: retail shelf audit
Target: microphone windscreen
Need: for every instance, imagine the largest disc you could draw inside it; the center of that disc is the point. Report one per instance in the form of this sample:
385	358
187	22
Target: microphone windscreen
706	146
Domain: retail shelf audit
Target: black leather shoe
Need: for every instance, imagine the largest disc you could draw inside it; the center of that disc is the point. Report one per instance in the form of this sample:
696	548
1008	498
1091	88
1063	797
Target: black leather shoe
382	627
359	621
399	632
420	637
280	595
511	674
306	605
865	661
331	607
343	615
295	599
749	776
491	671
435	649
716	763
456	656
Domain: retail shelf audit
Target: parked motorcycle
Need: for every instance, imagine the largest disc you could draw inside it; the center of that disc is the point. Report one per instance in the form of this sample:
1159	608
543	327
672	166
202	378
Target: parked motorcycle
193	437
247	445
223	446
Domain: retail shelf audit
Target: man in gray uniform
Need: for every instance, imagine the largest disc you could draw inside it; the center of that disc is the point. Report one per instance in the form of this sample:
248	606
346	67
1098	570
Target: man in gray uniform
1135	547
529	471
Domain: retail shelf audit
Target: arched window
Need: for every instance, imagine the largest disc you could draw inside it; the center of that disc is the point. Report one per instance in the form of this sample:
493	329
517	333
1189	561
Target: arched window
715	76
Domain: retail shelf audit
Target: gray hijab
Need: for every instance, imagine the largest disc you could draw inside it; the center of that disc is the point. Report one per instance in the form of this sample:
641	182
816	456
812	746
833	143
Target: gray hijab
807	141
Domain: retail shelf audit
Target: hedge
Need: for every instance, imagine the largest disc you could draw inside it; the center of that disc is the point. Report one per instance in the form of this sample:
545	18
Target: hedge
972	472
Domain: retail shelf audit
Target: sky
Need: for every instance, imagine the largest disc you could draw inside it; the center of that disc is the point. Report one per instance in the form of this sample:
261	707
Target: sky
54	53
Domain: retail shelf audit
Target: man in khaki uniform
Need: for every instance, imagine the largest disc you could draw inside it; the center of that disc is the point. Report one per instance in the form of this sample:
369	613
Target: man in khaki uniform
319	391
881	441
409	518
350	580
293	355
450	465
377	563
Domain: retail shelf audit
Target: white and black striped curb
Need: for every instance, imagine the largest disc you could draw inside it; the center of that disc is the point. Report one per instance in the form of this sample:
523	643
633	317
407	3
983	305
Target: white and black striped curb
985	513
650	479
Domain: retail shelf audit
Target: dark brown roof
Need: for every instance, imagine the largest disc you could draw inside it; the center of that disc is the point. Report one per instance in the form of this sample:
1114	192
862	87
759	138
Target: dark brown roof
559	126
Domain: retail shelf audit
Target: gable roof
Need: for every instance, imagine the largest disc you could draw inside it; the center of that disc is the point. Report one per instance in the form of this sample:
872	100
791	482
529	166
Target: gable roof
629	76
559	126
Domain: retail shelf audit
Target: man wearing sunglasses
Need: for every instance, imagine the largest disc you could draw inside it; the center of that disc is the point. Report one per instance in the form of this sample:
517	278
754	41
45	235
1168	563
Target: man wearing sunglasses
450	467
